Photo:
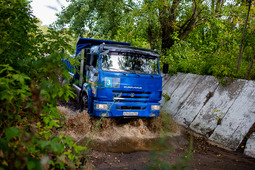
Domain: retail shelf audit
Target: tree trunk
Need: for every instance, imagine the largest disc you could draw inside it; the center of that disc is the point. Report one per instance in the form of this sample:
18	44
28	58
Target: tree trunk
167	40
250	68
212	6
218	6
150	36
188	26
166	20
241	44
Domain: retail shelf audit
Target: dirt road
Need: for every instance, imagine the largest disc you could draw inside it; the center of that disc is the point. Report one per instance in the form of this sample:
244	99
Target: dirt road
210	158
204	156
143	143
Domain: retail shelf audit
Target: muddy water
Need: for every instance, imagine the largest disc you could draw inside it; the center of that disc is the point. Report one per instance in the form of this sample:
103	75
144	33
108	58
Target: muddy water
118	135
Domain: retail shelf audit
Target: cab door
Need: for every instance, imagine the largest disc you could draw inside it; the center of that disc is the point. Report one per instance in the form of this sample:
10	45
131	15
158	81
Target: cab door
92	80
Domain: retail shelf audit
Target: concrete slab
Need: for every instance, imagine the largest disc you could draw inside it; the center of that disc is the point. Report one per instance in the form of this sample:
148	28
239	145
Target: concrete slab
211	115
238	120
201	94
223	114
173	82
180	91
170	86
250	146
165	79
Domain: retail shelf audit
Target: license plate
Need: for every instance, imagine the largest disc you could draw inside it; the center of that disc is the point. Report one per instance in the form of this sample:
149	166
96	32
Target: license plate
130	113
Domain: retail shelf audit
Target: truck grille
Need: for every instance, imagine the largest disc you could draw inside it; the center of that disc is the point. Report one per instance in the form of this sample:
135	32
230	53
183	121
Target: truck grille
130	95
124	101
130	107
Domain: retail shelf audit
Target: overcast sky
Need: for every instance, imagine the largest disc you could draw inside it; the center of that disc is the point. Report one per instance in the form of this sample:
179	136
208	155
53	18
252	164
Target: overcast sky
45	13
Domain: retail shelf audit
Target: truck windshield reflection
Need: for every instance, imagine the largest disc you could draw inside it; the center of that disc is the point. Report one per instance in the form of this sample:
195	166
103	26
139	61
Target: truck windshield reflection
138	64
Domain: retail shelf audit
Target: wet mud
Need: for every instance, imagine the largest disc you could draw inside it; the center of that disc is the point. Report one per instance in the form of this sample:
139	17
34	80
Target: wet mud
124	144
118	135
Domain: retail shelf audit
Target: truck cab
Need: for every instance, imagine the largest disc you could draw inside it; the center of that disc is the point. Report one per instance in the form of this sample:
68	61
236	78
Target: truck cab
117	80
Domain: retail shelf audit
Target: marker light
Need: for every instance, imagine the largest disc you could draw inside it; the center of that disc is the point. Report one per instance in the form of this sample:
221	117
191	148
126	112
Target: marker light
155	107
104	114
153	115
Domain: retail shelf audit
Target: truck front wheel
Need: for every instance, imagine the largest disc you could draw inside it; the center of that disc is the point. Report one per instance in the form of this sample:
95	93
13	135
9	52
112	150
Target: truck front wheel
84	101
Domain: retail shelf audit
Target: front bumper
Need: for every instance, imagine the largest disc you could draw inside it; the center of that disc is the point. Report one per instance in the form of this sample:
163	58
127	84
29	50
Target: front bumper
125	109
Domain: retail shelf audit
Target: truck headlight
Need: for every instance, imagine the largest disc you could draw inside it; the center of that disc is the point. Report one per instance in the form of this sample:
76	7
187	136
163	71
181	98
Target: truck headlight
102	106
155	107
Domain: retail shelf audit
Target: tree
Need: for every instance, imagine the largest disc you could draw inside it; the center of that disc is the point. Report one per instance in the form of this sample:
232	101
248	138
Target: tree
241	44
212	47
30	66
164	20
195	36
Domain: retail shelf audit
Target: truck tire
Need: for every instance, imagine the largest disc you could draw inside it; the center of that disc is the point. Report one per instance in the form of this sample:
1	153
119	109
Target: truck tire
83	101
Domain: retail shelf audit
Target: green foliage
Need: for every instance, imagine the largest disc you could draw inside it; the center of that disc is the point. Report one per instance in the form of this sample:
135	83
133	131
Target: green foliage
160	155
183	57
30	71
166	96
145	23
194	37
212	48
13	84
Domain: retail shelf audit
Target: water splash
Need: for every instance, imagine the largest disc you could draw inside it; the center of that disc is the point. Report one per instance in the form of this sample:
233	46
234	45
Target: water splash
117	135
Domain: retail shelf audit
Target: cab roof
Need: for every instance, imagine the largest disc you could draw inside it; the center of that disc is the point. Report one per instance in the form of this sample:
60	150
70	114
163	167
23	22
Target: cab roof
87	42
129	49
112	46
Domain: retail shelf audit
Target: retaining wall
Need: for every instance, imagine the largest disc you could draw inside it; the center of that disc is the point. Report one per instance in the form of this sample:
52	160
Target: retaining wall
222	114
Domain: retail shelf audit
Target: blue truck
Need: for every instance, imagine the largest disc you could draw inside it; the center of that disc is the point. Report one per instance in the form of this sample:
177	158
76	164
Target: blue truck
115	79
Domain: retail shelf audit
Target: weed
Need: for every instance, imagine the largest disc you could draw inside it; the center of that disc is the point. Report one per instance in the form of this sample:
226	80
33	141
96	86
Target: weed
166	96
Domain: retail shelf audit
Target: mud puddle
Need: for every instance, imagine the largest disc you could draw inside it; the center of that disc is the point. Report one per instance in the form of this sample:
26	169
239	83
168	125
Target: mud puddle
119	135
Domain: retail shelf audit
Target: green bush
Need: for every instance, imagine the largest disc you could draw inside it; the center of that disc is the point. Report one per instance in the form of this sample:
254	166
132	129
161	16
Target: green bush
30	69
213	49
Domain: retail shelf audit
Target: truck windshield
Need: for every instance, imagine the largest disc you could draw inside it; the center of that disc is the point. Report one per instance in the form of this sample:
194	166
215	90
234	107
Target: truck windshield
130	63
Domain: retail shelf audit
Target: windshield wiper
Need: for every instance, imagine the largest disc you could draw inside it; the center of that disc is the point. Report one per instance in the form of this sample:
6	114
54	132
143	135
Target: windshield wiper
134	72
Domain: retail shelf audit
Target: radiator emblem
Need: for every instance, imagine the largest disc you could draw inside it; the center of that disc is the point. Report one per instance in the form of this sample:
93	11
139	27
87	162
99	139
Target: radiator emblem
133	87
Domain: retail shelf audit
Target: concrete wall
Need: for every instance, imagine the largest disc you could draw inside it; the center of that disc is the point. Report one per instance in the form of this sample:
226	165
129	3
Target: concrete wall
224	115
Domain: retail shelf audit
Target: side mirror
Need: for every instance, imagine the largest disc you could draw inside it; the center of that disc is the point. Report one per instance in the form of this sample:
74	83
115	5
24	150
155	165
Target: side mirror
91	68
165	68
